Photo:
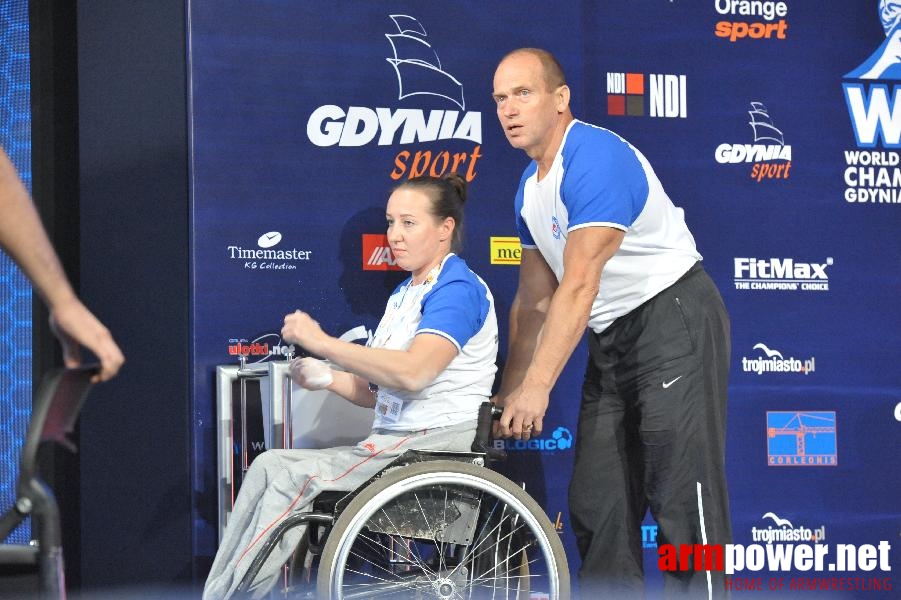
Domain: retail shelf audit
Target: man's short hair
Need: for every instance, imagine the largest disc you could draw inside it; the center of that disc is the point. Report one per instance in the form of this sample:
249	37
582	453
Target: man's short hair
553	72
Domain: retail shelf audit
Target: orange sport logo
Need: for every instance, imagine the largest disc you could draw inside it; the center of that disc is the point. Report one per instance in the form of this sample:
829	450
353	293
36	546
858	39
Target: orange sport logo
767	29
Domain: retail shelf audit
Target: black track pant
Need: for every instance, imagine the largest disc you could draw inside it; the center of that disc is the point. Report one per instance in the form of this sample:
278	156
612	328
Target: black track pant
652	435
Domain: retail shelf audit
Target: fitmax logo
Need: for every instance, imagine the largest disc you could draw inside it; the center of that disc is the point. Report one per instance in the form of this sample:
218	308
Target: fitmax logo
780	274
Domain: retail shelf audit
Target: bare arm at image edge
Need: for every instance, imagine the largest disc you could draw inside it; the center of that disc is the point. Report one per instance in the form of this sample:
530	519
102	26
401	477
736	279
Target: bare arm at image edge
22	236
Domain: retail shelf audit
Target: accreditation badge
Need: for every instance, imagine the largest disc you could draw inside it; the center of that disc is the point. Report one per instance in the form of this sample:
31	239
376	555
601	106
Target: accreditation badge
388	406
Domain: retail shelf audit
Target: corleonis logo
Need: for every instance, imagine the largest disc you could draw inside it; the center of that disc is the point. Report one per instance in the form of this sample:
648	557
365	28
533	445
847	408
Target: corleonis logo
377	255
666	95
801	439
505	251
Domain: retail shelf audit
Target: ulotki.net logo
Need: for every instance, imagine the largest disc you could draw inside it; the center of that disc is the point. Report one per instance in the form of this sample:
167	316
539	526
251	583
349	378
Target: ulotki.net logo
735	559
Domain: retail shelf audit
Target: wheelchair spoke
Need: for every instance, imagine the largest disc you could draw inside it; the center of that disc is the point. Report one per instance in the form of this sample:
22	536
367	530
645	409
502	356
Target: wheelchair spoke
444	530
382	587
389	553
485	538
417	559
434	530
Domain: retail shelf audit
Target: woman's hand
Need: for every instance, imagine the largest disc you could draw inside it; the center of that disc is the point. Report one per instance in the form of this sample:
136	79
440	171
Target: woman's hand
301	329
311	373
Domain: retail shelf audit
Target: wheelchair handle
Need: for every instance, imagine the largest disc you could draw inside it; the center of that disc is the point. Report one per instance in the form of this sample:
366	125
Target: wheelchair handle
488	413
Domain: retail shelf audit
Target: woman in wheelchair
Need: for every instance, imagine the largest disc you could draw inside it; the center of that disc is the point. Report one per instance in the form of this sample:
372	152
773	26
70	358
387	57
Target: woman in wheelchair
426	371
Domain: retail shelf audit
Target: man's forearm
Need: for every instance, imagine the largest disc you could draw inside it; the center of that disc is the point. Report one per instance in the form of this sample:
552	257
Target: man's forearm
524	327
564	326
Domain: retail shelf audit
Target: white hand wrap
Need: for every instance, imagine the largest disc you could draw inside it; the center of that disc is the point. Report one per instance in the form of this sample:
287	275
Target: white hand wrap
311	373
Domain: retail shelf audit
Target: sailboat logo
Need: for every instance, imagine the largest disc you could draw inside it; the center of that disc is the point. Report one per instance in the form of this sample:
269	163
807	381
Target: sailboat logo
417	66
762	124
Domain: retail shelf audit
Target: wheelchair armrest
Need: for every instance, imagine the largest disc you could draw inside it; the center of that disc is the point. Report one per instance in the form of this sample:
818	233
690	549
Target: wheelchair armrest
482	443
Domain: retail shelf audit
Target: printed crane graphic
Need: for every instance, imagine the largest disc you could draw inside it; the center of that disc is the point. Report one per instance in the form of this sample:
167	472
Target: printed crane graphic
801	425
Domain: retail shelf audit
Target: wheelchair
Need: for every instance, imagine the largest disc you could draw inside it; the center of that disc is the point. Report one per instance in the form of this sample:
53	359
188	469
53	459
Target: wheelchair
431	524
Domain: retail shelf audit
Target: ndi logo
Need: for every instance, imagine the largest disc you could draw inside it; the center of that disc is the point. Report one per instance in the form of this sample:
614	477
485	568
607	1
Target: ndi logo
561	439
667	95
874	105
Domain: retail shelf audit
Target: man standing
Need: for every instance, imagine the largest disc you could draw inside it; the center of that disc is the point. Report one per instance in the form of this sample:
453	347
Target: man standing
603	247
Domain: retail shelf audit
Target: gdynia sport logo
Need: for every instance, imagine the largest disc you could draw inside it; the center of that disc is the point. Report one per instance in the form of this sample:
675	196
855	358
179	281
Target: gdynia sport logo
736	559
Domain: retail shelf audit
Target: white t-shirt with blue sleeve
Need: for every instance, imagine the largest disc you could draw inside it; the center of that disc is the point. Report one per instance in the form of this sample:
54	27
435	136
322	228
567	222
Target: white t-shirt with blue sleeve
456	304
598	179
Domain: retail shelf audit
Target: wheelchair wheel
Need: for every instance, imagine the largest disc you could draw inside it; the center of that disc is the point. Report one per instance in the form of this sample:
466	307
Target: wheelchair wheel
443	529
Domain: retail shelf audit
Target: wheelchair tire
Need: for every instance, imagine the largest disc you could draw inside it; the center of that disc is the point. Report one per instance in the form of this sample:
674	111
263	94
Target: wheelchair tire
502	542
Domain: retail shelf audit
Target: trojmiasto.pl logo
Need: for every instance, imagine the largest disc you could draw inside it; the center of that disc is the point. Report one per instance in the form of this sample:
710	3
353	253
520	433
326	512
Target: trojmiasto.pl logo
873	99
770	360
779	530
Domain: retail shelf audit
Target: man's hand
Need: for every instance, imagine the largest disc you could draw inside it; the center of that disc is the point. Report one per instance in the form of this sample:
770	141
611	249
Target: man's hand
76	326
523	415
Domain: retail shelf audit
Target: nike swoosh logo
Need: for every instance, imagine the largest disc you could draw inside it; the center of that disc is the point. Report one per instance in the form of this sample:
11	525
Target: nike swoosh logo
666	384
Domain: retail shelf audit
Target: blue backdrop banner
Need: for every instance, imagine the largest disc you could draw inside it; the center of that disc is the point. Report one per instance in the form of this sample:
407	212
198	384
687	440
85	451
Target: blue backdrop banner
776	126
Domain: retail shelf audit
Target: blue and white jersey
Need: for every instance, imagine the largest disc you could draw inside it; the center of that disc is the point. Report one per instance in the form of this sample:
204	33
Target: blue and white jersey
456	304
598	179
